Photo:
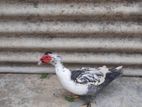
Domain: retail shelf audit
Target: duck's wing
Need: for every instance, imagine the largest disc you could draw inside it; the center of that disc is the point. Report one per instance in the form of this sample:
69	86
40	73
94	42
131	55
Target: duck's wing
109	77
87	76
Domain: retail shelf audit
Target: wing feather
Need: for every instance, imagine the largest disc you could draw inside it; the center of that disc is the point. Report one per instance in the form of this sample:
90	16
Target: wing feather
87	76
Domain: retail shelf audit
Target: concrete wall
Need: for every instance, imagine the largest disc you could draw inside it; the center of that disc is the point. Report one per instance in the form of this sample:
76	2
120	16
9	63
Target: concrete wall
85	33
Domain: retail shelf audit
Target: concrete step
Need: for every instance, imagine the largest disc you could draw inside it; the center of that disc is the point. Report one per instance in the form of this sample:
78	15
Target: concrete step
131	45
69	1
70	27
69	11
77	58
35	69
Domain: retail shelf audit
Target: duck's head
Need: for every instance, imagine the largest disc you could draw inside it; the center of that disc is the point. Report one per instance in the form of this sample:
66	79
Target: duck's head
49	57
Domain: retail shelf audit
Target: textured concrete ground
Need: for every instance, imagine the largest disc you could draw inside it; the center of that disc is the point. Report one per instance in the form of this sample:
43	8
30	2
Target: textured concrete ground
27	90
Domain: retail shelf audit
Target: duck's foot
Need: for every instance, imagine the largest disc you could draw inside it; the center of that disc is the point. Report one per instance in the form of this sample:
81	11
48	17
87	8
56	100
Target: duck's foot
78	103
88	104
72	97
75	96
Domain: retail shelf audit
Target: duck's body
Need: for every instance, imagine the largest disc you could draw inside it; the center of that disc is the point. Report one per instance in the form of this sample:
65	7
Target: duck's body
85	81
82	81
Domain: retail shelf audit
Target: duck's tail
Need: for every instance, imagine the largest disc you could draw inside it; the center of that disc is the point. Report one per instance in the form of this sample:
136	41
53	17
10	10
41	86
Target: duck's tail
110	76
113	74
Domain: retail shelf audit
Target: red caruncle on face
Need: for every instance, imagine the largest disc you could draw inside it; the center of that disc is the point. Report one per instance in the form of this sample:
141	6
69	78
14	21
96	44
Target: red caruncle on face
45	58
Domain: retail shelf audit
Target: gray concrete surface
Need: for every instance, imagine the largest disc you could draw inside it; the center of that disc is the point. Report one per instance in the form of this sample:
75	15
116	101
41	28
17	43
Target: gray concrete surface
28	90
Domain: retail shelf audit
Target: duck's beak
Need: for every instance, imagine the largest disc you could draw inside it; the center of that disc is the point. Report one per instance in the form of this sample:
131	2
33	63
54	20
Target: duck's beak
39	62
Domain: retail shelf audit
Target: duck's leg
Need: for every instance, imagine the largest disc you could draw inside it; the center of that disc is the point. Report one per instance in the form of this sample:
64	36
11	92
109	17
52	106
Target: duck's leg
73	96
89	104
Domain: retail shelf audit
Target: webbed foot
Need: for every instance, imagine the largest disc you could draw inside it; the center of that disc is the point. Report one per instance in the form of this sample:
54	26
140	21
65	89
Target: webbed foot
88	104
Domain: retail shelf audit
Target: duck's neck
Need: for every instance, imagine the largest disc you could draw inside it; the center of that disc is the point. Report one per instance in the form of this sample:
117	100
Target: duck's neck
61	71
59	67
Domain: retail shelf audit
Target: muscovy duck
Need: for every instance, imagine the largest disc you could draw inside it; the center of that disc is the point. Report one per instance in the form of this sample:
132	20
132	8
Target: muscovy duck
85	82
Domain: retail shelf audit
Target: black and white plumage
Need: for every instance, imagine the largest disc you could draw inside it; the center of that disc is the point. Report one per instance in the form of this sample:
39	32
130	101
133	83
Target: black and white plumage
85	81
94	78
87	76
